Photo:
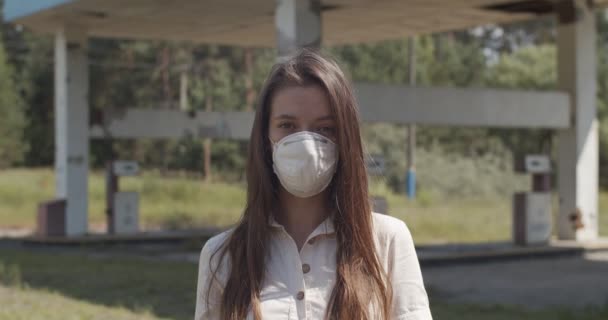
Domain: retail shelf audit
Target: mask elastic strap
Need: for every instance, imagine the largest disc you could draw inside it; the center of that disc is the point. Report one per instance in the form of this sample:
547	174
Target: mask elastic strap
272	144
338	205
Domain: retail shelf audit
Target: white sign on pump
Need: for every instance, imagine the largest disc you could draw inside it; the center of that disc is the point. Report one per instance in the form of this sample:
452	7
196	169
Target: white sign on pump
126	168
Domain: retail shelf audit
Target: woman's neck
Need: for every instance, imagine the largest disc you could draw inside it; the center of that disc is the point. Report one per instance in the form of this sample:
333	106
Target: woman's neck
300	216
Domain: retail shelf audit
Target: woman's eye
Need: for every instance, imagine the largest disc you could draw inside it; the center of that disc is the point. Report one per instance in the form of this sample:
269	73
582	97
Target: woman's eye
286	125
326	130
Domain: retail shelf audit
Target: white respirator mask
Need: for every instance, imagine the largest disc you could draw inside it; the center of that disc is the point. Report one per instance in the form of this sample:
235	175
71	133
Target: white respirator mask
304	162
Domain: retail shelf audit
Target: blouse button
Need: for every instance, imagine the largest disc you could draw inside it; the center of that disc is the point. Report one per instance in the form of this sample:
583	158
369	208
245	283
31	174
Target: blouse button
311	241
306	268
300	295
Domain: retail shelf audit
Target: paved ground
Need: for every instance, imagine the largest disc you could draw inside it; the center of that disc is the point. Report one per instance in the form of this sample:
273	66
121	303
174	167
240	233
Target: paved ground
538	283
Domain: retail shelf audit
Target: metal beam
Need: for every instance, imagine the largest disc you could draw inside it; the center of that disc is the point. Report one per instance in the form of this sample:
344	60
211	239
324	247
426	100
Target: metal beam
463	107
174	124
379	103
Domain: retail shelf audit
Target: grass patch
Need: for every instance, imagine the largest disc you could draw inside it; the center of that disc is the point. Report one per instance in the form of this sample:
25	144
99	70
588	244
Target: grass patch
87	285
434	220
171	202
31	304
175	203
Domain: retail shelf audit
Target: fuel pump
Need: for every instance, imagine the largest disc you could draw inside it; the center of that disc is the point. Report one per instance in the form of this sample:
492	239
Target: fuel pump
122	207
532	211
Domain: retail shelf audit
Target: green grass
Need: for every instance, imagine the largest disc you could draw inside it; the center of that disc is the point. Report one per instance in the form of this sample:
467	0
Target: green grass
62	286
31	304
182	202
434	220
76	284
169	202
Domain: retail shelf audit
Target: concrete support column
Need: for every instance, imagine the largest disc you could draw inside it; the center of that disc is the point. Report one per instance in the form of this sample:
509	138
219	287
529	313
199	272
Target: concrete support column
578	145
298	25
72	126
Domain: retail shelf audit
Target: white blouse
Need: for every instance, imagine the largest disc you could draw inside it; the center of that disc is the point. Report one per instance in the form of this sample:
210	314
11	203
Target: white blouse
298	285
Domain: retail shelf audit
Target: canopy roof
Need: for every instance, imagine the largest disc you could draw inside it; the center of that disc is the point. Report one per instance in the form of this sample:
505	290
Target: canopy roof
251	22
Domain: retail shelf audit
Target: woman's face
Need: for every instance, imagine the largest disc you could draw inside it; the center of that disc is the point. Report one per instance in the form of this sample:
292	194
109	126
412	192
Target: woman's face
301	108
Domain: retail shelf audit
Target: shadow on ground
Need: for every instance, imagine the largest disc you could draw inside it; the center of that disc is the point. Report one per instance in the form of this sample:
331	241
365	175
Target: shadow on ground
164	288
542	289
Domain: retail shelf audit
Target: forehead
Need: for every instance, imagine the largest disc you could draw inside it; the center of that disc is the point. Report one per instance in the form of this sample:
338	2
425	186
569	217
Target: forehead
301	102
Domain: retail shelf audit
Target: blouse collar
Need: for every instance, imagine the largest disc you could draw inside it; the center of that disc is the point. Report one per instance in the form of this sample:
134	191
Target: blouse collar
325	227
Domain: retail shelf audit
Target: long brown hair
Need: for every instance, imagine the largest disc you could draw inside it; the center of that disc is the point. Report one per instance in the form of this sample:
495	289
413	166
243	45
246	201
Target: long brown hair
359	275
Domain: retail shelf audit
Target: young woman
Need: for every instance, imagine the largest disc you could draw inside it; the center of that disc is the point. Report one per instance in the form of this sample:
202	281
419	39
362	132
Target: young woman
308	245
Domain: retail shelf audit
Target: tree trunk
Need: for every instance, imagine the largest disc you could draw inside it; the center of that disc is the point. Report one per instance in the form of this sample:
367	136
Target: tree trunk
250	91
207	141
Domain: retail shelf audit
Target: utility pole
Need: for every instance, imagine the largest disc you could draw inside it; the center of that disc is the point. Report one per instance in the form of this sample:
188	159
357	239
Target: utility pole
411	128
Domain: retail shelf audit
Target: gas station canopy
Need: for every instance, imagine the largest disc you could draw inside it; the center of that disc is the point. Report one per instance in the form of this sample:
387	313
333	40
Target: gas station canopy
251	22
571	111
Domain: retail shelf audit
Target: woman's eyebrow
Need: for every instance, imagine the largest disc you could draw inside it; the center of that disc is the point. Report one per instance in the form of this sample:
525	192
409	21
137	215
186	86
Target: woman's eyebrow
292	117
325	118
285	116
